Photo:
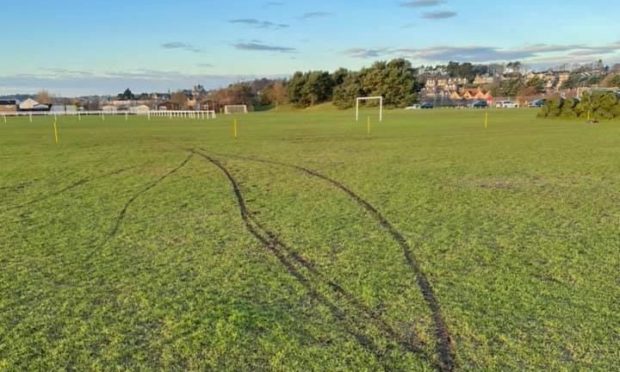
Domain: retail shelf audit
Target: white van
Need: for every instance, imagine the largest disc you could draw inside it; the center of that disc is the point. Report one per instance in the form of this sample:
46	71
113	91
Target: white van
506	104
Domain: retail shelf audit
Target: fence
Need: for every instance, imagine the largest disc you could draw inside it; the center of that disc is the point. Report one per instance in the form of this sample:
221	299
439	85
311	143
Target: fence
210	114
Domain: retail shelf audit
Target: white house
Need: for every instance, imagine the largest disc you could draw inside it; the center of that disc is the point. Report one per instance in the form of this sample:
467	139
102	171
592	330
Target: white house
28	104
109	109
139	110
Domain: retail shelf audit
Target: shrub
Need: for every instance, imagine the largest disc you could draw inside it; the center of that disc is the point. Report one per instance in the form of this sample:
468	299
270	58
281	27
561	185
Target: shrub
596	105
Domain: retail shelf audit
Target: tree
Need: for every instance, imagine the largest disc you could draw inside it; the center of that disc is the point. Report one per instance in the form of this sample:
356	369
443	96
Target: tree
396	81
515	66
127	95
339	76
318	87
612	81
510	87
44	97
276	94
346	93
537	84
453	69
295	87
179	100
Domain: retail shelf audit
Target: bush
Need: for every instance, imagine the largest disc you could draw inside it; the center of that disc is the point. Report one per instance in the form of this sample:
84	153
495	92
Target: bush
552	108
596	105
568	108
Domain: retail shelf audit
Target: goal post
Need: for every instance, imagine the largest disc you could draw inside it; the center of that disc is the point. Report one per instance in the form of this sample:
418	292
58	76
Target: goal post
366	99
235	109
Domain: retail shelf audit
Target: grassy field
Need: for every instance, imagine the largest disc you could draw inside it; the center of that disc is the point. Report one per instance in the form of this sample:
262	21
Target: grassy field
307	244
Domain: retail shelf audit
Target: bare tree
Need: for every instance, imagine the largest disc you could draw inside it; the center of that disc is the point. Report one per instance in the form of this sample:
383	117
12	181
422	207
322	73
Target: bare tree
44	97
277	93
179	99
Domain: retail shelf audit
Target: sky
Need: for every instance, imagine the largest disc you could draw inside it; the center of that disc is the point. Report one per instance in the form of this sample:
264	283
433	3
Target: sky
78	47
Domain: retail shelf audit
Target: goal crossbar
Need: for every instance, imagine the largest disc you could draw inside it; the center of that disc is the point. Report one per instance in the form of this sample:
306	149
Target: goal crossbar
358	100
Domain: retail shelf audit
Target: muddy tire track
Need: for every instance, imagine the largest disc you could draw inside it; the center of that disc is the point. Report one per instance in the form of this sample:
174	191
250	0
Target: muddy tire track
354	320
73	267
444	340
123	212
70	187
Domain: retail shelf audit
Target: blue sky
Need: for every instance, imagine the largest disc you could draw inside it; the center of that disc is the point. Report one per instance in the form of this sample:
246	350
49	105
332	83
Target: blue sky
76	47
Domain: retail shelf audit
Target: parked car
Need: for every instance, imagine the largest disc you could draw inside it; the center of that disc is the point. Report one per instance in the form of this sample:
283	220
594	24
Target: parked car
417	106
537	103
427	105
480	104
506	104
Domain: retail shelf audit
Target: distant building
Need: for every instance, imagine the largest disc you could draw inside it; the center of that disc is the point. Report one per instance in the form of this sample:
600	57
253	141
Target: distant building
28	104
484	80
32	105
64	108
109	109
8	105
142	109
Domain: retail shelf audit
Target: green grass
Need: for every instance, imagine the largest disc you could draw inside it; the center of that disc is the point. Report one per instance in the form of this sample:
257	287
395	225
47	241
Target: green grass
110	261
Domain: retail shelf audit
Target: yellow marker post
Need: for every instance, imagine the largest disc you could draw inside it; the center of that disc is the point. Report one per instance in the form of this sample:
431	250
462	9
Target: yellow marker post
55	130
235	128
368	126
4	119
486	120
588	115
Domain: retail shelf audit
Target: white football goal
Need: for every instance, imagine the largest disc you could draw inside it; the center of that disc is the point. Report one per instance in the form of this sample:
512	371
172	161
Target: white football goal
235	109
366	99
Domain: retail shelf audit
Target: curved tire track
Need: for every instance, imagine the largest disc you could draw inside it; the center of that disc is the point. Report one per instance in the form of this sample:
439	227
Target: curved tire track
287	258
119	219
70	187
444	341
123	212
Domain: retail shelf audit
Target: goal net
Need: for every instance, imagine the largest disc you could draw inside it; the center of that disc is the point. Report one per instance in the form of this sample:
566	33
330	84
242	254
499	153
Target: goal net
235	109
361	100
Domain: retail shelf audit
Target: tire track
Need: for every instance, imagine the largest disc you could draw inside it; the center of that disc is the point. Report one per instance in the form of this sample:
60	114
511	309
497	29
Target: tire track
123	212
444	341
112	233
70	187
411	345
353	323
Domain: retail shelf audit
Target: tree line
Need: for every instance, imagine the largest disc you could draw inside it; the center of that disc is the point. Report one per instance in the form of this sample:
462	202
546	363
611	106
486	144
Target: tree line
396	80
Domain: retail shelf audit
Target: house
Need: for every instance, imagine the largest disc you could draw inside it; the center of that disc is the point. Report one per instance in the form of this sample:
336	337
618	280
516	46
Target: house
8	105
139	110
563	77
28	105
469	94
484	80
477	94
455	96
109	109
32	105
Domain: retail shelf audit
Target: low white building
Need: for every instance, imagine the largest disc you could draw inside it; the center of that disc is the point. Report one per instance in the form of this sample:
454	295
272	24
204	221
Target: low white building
139	110
109	109
64	108
28	104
